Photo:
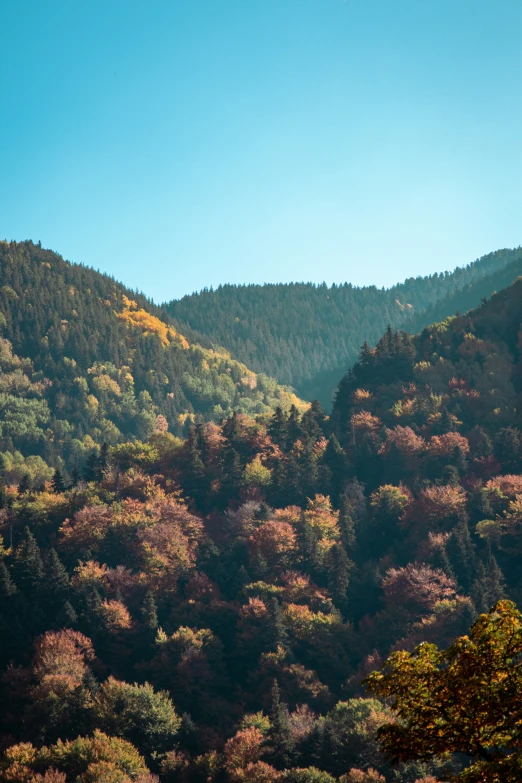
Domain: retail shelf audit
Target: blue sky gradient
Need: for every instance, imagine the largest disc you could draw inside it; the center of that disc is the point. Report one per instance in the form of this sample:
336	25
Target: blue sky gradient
185	143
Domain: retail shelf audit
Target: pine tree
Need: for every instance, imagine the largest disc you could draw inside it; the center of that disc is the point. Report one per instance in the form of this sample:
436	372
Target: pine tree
241	580
312	421
277	626
278	484
193	470
310	549
232	431
92	469
280	735
293	426
292	490
232	475
507	448
66	616
7	586
478	589
461	554
308	473
57	483
339	567
103	458
278	428
334	459
149	612
347	525
480	442
494	581
3	492
461	462
29	569
440	559
189	736
446	422
24	485
56	576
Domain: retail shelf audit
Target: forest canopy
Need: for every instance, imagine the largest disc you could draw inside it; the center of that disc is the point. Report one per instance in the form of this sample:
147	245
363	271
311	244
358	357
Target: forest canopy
209	607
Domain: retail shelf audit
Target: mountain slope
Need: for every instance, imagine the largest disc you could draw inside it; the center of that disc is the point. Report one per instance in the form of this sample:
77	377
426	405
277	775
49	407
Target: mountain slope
86	361
307	335
457	374
251	577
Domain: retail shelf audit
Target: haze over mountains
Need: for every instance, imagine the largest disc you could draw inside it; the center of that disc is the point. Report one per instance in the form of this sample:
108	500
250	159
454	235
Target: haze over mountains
307	335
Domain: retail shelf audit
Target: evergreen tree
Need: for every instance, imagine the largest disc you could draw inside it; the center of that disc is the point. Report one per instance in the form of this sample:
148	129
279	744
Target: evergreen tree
308	473
293	426
3	492
24	485
149	611
57	483
347	525
189	735
102	459
280	735
279	483
440	559
92	468
334	459
461	462
7	586
29	569
232	475
193	470
277	626
66	616
507	448
310	549
278	429
461	554
56	576
480	442
339	567
312	421
495	582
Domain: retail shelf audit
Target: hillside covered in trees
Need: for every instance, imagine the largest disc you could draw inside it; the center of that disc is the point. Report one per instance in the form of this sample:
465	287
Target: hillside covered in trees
307	335
84	361
208	609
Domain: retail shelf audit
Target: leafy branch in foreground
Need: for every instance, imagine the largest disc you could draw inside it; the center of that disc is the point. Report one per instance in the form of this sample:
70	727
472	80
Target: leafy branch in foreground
466	699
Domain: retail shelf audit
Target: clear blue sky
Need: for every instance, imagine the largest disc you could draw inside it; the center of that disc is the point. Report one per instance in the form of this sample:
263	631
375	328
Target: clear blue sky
179	144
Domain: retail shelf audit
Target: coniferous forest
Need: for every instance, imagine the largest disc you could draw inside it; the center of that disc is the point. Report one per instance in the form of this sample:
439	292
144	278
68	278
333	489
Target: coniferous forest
204	578
307	335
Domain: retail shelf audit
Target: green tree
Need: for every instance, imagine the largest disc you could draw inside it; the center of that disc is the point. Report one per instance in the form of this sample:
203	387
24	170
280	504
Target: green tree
29	568
57	483
280	736
149	611
137	713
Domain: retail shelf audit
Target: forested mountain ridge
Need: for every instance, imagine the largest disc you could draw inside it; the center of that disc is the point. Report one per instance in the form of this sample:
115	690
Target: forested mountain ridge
307	335
84	361
206	610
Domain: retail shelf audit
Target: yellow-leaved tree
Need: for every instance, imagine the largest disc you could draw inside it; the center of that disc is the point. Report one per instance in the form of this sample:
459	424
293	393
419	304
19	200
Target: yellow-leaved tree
463	700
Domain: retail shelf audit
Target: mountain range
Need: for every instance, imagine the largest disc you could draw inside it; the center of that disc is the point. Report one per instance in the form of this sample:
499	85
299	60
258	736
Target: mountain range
206	608
85	361
307	335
